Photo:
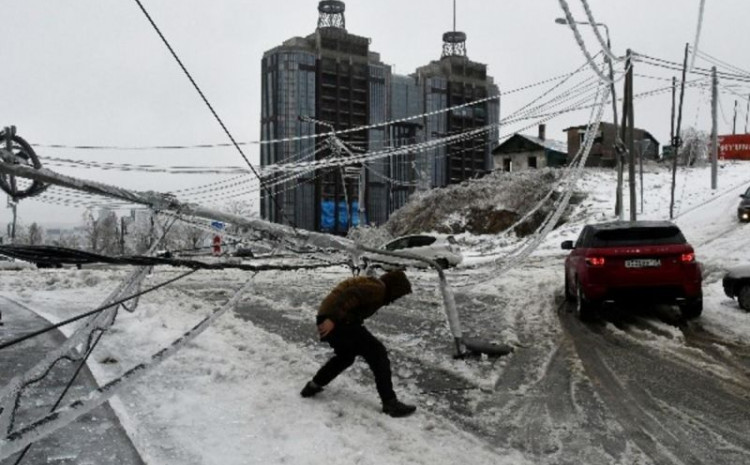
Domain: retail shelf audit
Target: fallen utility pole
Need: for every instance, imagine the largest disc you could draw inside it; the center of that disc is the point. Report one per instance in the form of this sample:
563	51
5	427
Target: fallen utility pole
163	202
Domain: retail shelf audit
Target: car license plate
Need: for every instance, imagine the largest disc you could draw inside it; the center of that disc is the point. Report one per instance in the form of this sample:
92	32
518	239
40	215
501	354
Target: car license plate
643	263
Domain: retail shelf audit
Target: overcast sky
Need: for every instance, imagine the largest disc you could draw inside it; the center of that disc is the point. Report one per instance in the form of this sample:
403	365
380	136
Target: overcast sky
93	72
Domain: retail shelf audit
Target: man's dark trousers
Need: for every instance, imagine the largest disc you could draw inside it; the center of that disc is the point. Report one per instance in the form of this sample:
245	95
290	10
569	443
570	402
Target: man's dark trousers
347	342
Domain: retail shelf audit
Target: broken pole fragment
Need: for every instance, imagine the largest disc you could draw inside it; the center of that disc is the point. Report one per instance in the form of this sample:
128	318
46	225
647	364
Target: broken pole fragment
475	347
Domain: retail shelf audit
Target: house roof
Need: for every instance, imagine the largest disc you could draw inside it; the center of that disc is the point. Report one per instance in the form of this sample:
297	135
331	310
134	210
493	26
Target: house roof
604	123
552	145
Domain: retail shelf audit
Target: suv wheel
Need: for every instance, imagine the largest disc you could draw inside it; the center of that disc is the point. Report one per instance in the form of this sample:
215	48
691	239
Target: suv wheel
443	262
586	308
743	297
692	308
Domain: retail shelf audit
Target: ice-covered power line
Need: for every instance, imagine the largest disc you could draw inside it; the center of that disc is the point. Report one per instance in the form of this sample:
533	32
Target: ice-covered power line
520	254
673	66
370	156
697	33
606	46
312	136
48	424
235	189
721	64
208	104
590	59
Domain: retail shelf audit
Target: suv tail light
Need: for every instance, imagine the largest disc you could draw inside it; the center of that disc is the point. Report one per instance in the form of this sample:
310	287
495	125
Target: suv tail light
595	261
687	257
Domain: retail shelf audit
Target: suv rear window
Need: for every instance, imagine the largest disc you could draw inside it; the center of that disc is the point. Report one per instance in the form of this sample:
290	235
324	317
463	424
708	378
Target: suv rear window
637	236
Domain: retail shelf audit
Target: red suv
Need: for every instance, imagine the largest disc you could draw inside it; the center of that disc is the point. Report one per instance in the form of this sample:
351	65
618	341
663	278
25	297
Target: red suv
632	261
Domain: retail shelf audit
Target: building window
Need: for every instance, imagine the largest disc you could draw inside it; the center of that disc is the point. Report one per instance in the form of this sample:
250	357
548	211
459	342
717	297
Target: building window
506	164
532	162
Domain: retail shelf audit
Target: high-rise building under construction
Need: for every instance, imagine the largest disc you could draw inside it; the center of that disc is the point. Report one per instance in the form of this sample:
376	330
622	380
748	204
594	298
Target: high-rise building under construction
330	81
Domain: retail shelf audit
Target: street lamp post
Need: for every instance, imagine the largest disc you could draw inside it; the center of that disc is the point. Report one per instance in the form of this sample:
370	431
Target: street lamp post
618	205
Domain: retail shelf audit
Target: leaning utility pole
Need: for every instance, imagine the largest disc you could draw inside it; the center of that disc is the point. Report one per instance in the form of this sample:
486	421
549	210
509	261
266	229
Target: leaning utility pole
617	143
346	197
714	128
362	195
631	138
676	140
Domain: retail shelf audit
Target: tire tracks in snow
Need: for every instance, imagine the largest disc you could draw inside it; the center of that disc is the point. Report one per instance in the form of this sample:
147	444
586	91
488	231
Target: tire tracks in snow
673	408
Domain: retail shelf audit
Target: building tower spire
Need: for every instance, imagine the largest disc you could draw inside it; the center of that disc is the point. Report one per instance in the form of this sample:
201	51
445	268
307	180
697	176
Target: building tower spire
454	42
331	14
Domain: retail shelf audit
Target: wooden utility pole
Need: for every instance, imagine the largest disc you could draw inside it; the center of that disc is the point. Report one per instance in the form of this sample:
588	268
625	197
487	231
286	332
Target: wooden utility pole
631	140
643	149
676	140
623	138
617	146
714	128
734	122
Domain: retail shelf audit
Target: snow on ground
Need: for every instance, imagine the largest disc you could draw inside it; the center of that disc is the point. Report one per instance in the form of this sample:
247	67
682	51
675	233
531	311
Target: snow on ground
232	396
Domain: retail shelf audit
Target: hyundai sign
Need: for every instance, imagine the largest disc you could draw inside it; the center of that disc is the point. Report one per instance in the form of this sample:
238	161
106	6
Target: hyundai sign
734	147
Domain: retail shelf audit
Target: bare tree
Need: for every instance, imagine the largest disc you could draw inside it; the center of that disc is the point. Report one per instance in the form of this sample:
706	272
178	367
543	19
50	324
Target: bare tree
110	233
22	234
91	231
70	241
193	237
35	234
239	208
101	234
694	147
141	232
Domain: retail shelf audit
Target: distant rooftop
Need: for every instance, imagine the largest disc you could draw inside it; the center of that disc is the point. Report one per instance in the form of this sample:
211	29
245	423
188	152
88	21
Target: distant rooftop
549	144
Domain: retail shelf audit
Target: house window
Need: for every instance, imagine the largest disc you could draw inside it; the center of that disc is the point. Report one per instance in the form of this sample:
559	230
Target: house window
506	164
532	162
597	138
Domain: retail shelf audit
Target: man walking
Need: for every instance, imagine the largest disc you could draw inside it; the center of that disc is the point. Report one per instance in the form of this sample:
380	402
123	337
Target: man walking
340	324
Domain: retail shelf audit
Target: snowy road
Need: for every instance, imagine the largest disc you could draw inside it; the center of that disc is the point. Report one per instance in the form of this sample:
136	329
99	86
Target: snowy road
95	438
635	387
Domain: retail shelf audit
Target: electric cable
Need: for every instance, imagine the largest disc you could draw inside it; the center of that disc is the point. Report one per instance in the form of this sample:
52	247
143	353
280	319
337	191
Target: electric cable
320	135
594	25
97	310
205	100
698	32
572	24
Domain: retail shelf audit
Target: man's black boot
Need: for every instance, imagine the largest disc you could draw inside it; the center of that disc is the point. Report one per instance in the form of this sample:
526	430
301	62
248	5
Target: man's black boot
396	409
310	389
